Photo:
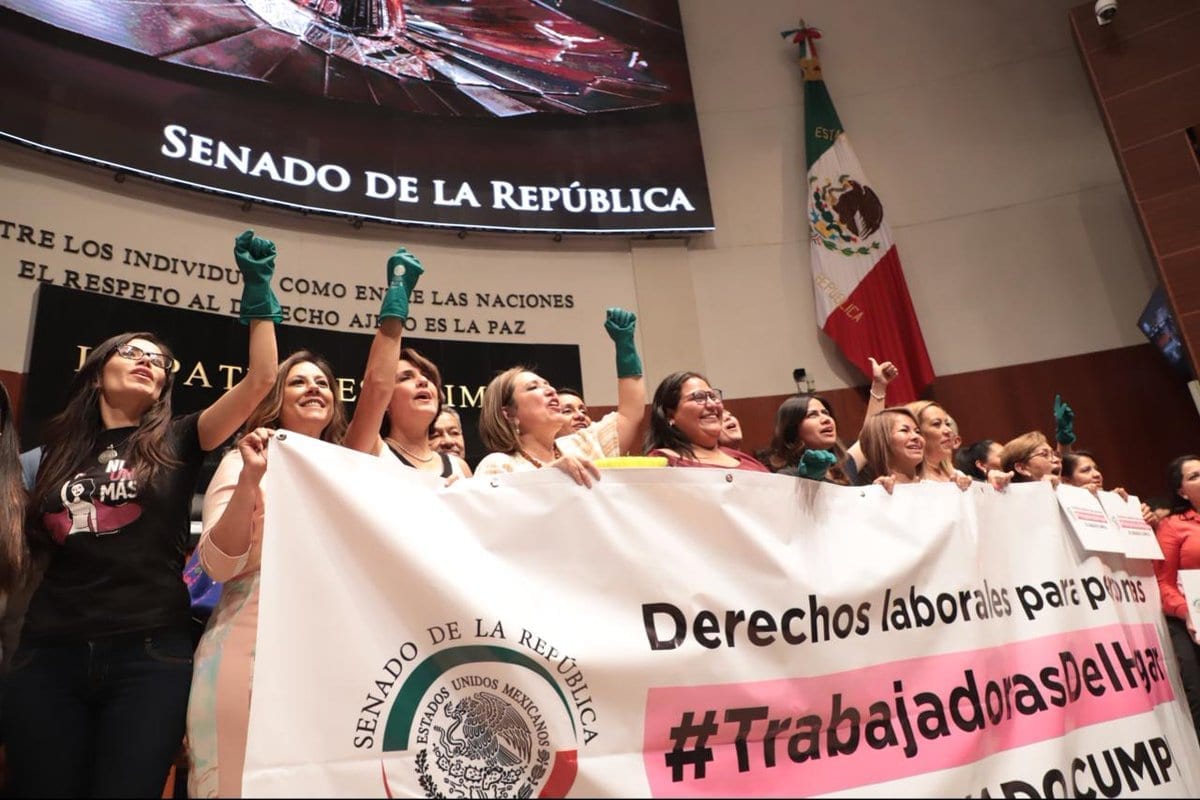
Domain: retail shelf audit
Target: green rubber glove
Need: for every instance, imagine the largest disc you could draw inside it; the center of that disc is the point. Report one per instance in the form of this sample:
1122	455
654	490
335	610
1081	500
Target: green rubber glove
256	261
403	271
815	463
620	325
1064	421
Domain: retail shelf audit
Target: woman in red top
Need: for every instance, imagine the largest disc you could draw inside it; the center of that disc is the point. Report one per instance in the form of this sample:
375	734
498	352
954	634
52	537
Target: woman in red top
1179	537
686	419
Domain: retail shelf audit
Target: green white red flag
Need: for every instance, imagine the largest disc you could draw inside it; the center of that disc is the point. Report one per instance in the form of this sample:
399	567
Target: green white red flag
862	301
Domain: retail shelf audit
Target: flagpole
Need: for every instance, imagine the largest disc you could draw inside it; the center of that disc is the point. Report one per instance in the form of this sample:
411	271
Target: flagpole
861	298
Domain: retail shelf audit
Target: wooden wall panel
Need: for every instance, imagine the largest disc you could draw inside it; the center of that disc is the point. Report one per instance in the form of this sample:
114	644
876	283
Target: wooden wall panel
1161	49
1156	109
1173	221
1188	323
1161	167
1135	17
1144	69
1133	411
1182	271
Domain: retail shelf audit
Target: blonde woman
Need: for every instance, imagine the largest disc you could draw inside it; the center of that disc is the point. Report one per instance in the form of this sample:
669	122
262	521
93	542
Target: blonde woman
938	431
520	424
894	448
522	417
1031	457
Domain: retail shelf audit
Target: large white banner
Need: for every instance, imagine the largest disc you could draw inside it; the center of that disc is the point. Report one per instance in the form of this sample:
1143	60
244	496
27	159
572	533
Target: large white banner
697	633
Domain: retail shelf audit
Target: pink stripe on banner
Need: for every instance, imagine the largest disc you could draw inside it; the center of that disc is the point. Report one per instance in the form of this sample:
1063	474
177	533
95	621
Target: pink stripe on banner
808	736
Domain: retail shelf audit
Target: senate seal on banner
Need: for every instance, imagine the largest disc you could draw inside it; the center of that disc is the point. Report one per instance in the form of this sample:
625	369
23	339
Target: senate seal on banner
501	719
485	745
844	215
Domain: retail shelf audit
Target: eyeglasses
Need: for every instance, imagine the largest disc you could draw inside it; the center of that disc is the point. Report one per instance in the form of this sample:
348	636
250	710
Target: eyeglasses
135	353
1044	453
703	397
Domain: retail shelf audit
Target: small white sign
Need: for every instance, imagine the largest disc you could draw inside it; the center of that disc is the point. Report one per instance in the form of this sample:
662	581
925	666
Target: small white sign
1088	519
1189	583
1139	538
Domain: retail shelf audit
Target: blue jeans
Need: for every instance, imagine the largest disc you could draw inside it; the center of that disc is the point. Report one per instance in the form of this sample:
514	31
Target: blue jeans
103	717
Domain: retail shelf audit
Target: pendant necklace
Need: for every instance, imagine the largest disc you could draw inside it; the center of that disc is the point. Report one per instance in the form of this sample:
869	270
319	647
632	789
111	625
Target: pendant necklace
107	454
411	454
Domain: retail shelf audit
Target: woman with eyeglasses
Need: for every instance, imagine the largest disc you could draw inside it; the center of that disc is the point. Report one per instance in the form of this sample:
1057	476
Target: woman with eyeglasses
301	400
1179	536
96	695
686	419
521	419
401	393
1030	457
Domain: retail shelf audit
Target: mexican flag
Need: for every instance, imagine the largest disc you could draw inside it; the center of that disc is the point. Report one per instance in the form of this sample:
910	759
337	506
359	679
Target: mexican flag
862	301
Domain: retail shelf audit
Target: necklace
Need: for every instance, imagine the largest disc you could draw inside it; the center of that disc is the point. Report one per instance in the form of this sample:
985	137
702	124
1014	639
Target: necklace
536	462
107	454
708	455
411	454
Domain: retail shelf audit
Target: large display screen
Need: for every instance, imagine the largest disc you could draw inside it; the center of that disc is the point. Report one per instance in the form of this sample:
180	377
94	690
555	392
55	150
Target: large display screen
1158	325
527	115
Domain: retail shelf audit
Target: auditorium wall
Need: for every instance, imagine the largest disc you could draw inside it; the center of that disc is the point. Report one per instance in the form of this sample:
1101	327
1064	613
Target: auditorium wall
973	120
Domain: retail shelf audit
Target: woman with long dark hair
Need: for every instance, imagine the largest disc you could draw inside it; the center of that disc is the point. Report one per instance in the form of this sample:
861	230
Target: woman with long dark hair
96	695
14	555
686	418
1179	537
805	431
303	401
806	443
1079	468
977	459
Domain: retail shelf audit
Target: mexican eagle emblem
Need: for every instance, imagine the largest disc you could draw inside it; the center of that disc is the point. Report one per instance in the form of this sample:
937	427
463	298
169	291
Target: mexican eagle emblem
844	215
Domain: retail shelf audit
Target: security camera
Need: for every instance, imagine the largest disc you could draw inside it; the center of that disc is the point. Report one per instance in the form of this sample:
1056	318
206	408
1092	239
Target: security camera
1105	11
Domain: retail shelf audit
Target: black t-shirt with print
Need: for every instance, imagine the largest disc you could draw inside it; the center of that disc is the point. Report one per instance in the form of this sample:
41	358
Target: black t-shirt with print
117	562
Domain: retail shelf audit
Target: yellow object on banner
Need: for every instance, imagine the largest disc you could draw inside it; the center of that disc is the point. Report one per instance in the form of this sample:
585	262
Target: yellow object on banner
629	462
